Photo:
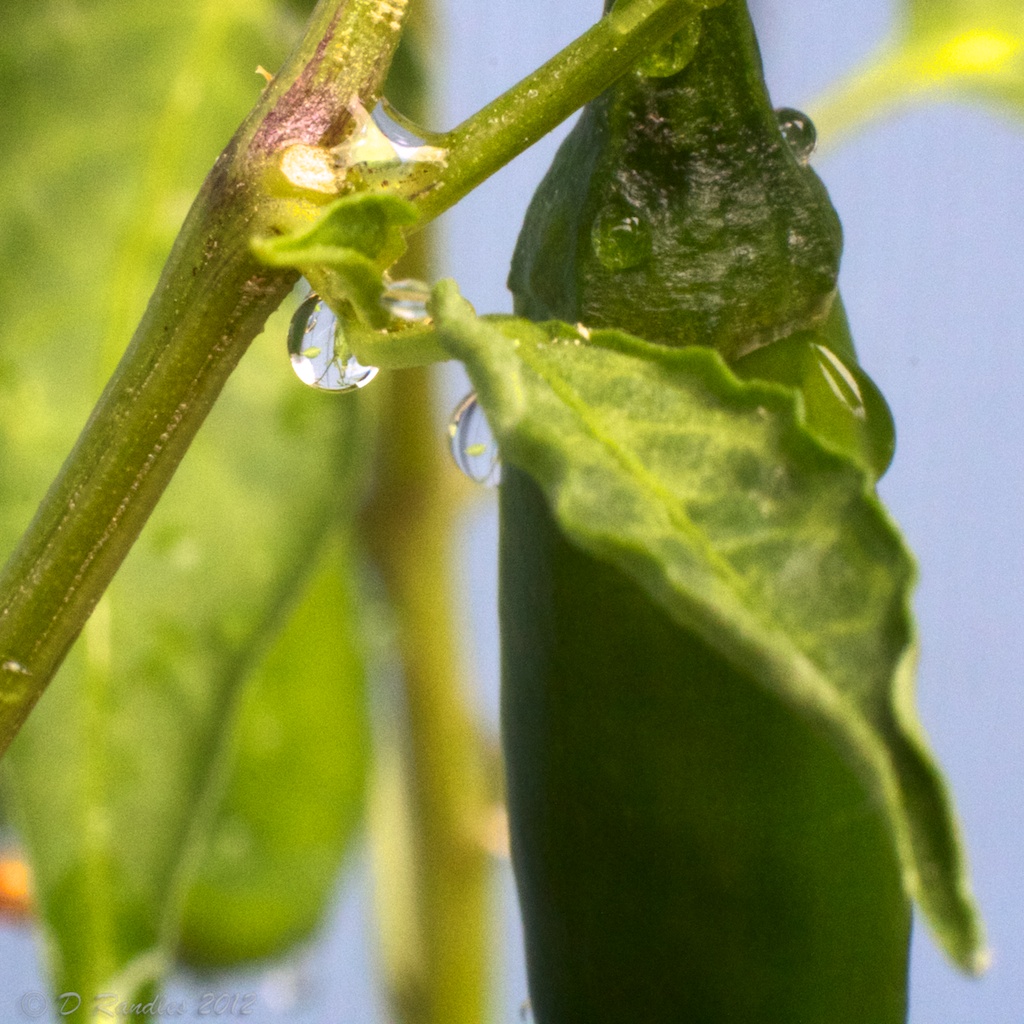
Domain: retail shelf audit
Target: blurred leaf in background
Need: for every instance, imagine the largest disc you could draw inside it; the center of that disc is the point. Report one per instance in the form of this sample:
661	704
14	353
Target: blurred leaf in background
295	795
959	49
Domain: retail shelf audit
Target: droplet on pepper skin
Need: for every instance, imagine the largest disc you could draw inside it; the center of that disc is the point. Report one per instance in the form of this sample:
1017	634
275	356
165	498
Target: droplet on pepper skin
799	132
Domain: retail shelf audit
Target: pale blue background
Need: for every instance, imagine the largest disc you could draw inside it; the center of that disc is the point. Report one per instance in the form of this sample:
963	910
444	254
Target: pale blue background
933	207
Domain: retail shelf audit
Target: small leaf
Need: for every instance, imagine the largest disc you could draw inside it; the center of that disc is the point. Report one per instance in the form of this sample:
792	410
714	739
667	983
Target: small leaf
295	791
737	521
344	254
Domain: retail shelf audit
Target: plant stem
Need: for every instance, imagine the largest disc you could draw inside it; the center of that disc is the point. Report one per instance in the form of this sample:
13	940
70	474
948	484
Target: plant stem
514	121
409	529
409	525
212	300
397	350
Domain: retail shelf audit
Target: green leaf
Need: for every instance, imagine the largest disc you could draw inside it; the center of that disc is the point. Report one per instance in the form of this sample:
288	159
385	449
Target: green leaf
714	498
946	49
344	254
110	781
295	791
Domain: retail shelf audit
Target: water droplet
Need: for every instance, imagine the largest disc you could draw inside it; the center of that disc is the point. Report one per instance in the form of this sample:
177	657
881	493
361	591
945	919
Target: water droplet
620	236
671	57
384	139
473	446
319	353
401	130
407	299
799	132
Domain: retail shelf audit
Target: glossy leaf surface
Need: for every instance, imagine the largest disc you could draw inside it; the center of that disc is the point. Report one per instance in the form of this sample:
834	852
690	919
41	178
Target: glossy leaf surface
736	521
114	114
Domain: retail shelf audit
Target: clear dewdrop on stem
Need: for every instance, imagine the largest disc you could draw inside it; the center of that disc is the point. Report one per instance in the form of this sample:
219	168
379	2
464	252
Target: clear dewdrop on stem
673	55
319	352
406	299
407	138
383	147
799	132
473	446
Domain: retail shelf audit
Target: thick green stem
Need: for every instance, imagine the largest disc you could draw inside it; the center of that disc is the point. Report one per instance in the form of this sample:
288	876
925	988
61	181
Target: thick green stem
410	525
212	300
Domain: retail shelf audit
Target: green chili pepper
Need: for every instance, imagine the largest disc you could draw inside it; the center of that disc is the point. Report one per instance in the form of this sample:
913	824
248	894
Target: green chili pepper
686	849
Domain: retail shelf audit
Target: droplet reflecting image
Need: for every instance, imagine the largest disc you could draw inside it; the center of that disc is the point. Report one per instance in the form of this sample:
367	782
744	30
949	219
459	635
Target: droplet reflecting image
799	132
319	353
473	446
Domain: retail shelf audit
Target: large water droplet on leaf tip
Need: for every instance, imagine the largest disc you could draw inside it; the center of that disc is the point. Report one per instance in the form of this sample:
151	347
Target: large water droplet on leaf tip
319	353
621	238
799	132
473	446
